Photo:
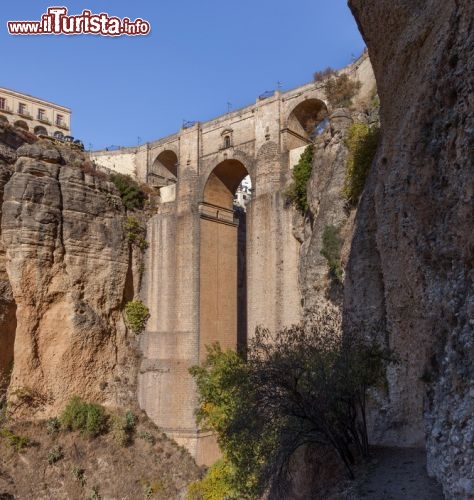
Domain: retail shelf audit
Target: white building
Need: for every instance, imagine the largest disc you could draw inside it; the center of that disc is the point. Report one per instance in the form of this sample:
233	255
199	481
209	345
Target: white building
34	114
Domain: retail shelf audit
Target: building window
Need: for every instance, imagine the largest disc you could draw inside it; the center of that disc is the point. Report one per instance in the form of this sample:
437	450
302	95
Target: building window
58	135
60	120
41	114
227	141
22	108
3	103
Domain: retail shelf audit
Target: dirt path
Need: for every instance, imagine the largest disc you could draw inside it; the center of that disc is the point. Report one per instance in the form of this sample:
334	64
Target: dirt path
398	474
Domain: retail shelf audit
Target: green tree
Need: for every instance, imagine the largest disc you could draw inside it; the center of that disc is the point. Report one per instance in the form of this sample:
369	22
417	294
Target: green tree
297	387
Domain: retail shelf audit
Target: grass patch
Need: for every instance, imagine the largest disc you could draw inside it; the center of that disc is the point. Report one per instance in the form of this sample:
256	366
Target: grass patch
16	442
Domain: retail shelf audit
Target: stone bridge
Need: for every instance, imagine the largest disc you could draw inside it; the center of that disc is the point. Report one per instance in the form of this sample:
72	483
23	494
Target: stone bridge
212	274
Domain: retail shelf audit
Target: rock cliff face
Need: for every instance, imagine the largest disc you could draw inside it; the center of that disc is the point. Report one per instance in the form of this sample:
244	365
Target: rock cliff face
322	294
66	268
410	272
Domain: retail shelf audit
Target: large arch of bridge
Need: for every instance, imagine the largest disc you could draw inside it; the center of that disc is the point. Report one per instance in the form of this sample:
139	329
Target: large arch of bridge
223	269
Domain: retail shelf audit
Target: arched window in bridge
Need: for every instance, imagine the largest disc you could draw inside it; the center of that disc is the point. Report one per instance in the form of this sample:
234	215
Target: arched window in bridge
226	138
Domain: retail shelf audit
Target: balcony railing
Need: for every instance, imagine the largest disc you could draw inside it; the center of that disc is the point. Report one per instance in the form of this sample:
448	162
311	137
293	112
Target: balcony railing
44	120
5	109
62	125
25	114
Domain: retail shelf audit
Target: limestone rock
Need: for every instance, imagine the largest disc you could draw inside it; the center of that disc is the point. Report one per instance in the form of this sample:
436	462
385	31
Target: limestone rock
70	270
410	272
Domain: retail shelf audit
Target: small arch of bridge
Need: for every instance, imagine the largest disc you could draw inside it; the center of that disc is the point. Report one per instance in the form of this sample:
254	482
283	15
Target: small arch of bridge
304	120
164	169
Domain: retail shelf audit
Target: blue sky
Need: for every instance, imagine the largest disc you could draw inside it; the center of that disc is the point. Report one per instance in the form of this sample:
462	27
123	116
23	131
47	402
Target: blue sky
198	57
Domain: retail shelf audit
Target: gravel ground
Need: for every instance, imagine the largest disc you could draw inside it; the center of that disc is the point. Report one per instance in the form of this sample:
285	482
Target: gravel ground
397	474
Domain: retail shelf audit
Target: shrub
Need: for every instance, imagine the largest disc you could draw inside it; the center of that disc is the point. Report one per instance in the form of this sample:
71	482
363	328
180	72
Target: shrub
148	437
123	428
215	485
132	196
151	487
137	315
16	442
53	425
319	76
331	250
55	454
296	194
79	475
340	90
88	418
90	168
95	495
362	142
136	234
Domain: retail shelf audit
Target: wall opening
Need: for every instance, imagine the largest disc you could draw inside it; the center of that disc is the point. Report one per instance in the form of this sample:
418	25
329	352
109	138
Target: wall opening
164	170
223	258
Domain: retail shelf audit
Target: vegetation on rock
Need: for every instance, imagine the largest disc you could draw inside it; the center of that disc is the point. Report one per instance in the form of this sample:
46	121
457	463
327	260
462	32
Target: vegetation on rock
215	485
123	428
331	250
340	90
132	196
322	75
136	233
362	141
137	315
296	194
297	388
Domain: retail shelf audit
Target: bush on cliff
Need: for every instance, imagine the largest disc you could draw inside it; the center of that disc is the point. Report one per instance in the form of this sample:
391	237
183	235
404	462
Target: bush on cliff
89	418
362	142
136	233
297	388
340	90
296	194
137	314
132	196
